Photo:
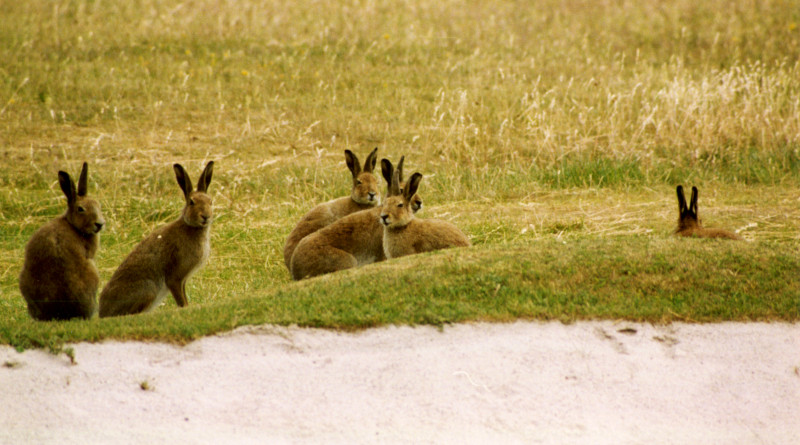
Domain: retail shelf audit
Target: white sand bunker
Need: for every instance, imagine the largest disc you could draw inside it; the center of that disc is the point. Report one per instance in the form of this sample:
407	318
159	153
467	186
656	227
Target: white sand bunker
589	382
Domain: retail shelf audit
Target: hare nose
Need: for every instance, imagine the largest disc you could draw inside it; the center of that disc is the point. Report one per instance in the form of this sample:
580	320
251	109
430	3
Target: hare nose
98	227
371	195
385	219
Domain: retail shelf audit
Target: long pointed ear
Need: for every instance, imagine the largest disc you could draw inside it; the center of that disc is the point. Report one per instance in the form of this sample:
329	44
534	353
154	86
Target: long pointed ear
183	180
83	181
693	203
387	169
67	186
394	186
352	162
681	199
372	159
400	169
205	178
412	186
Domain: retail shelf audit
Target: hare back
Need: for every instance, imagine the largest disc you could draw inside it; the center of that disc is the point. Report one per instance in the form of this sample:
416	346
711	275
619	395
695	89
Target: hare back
358	234
700	232
171	253
317	218
174	250
59	280
422	235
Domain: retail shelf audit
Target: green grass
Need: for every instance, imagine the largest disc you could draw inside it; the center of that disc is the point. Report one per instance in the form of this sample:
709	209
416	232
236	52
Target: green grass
632	278
534	123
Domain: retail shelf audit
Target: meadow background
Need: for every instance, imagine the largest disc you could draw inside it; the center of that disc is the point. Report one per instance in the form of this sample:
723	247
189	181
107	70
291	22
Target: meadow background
552	132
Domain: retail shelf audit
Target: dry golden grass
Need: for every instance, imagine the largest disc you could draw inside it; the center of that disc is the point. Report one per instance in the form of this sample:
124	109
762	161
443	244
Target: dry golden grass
531	121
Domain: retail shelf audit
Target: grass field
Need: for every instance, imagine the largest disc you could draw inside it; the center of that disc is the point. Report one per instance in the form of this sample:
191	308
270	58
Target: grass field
552	132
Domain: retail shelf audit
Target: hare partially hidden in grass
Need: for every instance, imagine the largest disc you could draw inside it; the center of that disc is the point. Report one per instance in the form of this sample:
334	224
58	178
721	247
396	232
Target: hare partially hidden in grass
689	223
165	260
59	279
406	235
354	240
364	195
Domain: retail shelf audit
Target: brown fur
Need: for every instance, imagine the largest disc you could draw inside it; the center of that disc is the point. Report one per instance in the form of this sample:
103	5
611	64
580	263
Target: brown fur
690	225
354	240
406	235
166	259
59	279
364	195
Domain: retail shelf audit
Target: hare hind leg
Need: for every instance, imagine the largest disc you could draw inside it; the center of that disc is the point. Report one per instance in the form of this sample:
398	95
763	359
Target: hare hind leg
131	299
325	260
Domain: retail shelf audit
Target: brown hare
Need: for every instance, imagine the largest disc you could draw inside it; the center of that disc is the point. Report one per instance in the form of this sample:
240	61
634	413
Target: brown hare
354	240
364	195
689	223
165	260
59	279
406	235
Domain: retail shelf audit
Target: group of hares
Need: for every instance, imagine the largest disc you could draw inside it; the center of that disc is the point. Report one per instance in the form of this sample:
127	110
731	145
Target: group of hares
59	279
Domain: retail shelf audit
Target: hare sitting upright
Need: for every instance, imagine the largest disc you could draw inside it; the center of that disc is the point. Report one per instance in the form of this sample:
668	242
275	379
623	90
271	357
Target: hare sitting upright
406	235
59	279
165	260
364	195
689	223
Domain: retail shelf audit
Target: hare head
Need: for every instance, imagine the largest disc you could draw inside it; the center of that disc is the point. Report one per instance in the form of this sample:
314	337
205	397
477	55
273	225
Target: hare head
398	210
197	212
365	184
687	216
389	173
83	213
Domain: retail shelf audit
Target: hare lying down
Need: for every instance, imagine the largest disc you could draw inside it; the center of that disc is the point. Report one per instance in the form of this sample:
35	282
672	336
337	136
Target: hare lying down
166	259
354	240
689	223
364	195
59	279
404	234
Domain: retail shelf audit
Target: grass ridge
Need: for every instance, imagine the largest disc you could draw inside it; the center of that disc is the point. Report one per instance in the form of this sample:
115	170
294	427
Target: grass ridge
642	279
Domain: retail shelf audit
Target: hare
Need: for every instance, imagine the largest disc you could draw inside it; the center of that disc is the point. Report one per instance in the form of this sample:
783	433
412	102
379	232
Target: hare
165	260
363	196
354	240
59	279
404	234
689	223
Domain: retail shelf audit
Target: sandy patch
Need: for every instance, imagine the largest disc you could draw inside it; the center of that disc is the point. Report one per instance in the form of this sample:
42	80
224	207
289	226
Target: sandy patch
589	382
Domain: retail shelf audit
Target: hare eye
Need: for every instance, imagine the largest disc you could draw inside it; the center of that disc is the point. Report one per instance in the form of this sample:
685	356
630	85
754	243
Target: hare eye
191	202
400	205
81	209
358	182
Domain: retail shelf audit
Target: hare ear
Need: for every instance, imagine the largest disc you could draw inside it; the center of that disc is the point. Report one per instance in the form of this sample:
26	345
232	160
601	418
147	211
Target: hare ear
205	178
67	186
372	159
352	162
83	181
412	186
387	169
681	199
183	180
394	186
693	203
400	169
